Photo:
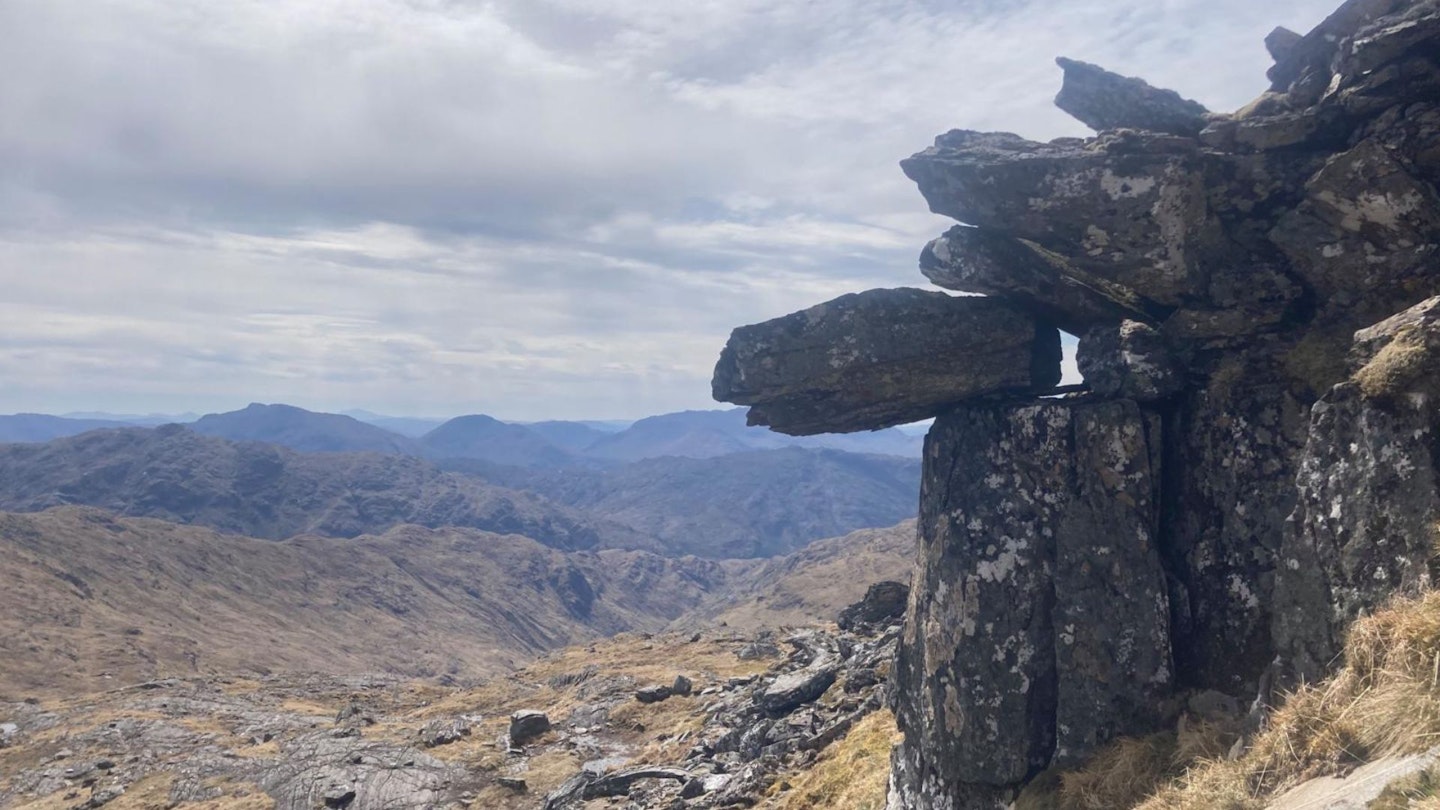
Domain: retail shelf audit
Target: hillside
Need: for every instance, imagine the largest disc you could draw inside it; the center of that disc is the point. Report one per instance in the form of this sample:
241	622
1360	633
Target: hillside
302	430
751	504
266	491
816	581
92	600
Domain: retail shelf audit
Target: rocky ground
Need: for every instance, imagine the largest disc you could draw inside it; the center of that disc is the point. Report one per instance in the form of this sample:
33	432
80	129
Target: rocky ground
639	721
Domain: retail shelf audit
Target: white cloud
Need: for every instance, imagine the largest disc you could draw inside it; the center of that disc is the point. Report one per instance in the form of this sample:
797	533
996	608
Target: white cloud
532	207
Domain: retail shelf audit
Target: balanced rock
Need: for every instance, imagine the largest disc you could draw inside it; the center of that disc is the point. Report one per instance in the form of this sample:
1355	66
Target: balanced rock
885	357
1128	208
1103	100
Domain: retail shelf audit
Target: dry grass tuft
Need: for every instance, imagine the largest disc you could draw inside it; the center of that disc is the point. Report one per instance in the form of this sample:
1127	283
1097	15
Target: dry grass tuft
1121	775
854	773
1385	700
1393	370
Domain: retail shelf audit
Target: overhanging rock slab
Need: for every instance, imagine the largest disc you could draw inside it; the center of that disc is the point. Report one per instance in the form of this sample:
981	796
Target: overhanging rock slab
880	358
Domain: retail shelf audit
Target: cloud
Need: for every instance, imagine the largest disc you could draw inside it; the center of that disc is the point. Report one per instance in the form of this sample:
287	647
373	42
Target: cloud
536	208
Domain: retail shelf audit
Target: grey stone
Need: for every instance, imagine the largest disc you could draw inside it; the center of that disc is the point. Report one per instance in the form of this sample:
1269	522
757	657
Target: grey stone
444	731
1103	100
681	686
884	603
1336	236
793	690
883	358
653	693
1281	42
979	260
1130	361
526	725
1130	209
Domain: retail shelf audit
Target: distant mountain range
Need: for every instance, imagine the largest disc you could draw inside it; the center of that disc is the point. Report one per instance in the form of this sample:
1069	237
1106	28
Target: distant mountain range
303	430
539	445
752	504
268	491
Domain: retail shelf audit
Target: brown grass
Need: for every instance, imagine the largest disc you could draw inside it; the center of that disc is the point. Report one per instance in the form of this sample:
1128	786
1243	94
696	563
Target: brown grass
1394	369
1385	700
853	773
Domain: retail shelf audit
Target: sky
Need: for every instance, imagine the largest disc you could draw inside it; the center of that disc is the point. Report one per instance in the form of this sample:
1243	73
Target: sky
529	208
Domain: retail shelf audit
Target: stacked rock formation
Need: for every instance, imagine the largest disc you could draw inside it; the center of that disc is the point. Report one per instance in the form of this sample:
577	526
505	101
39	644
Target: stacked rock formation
1235	484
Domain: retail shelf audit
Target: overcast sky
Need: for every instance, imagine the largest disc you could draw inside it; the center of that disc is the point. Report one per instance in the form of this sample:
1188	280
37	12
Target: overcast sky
529	208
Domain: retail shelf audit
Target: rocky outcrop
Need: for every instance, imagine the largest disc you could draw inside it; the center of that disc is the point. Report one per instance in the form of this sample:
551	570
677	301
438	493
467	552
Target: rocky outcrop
1226	493
884	603
882	358
1365	525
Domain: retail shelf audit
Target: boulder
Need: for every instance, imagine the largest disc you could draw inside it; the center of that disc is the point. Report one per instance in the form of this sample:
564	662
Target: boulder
881	358
681	686
793	690
654	693
444	732
526	725
1103	100
884	602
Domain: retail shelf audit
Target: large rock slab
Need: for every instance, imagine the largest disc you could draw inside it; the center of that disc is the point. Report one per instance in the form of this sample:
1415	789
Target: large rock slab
881	358
1039	620
1129	208
1103	100
1369	493
979	260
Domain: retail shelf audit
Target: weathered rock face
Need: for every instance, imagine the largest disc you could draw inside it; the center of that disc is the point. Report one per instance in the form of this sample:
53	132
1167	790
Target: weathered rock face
1021	647
1130	361
883	358
1082	558
1369	501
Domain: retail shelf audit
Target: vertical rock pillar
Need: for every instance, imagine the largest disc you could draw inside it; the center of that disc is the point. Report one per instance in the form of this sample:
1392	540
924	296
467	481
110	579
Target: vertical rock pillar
1038	626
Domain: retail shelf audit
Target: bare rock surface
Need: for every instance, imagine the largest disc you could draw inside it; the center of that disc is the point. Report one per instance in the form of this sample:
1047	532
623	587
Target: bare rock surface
883	358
